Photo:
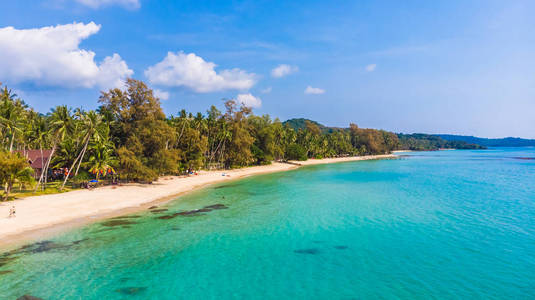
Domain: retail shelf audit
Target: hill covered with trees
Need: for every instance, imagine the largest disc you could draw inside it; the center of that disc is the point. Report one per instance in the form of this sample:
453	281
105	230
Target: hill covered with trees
504	142
416	141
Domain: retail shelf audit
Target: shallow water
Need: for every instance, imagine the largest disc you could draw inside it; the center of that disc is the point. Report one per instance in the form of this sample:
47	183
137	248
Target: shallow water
447	224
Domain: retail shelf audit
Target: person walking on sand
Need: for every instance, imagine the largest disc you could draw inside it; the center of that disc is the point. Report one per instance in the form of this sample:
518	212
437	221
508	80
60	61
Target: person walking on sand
12	212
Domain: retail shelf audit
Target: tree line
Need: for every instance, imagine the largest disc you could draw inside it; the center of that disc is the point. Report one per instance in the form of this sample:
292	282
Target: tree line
131	138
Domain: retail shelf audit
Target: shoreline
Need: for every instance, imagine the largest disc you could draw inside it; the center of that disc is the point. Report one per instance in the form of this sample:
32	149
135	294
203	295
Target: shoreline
45	215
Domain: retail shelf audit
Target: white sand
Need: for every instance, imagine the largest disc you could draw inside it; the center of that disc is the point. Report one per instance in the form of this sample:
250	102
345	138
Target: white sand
37	213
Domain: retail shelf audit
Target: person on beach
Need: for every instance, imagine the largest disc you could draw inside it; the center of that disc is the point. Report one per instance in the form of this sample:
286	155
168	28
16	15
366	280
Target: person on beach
12	212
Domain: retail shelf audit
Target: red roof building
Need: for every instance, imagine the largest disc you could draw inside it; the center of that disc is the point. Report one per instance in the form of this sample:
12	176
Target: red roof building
37	159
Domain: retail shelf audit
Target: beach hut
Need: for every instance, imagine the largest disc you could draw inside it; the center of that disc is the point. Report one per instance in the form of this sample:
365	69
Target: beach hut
37	159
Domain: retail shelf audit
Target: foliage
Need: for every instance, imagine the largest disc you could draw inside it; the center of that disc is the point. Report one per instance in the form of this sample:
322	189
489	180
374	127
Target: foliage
13	169
130	136
422	142
296	152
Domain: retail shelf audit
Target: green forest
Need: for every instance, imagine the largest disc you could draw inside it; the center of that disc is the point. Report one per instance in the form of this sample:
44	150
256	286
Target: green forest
130	138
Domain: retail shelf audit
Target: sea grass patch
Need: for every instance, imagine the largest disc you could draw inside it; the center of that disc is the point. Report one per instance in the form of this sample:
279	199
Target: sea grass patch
117	222
80	241
133	290
29	297
166	217
216	206
6	260
225	186
126	217
5	272
42	246
191	213
312	251
340	247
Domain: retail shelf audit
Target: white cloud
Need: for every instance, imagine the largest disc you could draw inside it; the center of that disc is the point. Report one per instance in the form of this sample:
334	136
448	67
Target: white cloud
314	91
113	71
163	95
371	67
283	70
192	71
132	4
266	90
51	56
249	100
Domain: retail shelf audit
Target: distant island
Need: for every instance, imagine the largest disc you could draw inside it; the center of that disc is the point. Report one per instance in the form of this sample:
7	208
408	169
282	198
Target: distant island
503	142
415	141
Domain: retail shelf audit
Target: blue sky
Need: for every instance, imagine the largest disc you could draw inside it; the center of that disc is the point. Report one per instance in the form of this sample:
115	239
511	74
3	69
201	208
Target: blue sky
462	67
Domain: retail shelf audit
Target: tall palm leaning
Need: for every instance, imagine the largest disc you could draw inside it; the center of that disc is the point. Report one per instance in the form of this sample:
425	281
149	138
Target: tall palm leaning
93	129
61	125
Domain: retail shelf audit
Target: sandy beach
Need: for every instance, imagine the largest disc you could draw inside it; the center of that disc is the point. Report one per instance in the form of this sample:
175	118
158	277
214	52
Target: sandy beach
40	216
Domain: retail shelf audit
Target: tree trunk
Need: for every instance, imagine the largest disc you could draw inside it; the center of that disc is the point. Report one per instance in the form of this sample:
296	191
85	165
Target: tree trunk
7	190
69	171
41	149
73	164
48	166
45	169
82	158
12	139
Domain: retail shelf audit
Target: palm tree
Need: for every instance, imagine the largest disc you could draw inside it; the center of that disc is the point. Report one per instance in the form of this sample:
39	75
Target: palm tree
61	125
101	159
10	114
93	129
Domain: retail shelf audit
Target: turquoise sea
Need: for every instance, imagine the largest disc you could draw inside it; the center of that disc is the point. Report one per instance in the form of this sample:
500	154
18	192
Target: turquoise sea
431	225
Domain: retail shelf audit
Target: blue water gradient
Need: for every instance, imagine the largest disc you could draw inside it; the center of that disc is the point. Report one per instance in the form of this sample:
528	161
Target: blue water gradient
443	225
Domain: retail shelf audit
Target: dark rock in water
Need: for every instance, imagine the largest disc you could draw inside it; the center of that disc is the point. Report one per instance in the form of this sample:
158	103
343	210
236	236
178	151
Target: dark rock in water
204	210
341	247
153	207
308	251
29	297
117	222
131	290
158	210
216	206
5	272
175	228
